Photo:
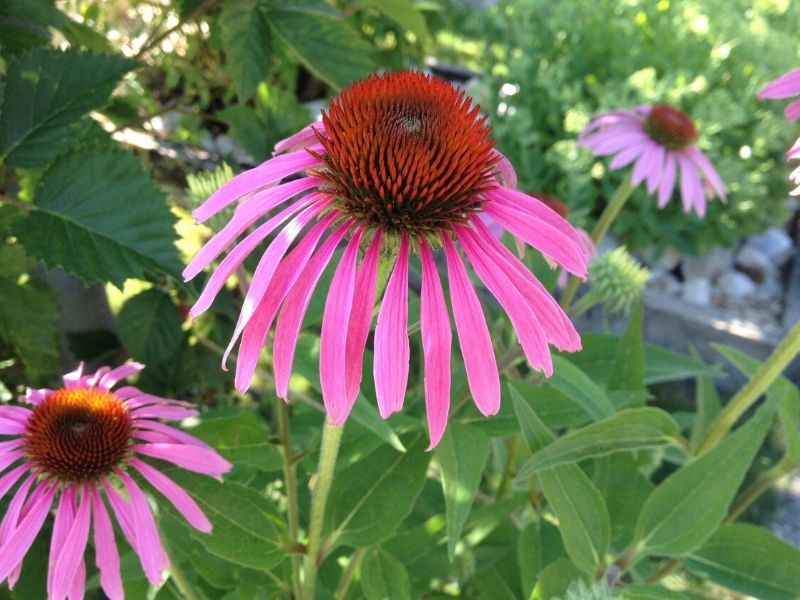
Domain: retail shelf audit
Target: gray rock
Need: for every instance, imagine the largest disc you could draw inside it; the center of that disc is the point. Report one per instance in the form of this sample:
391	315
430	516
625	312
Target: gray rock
664	282
791	313
735	285
775	243
697	291
755	263
669	259
707	266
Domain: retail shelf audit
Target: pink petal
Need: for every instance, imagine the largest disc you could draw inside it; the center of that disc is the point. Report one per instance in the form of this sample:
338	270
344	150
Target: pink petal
628	155
11	427
35	396
294	309
708	170
123	513
65	513
390	368
105	550
148	544
11	518
436	345
193	458
523	318
171	413
73	378
302	139
15	413
175	494
255	332
111	378
361	318
263	175
19	542
691	186
71	555
784	87
612	140
170	433
644	165
656	169
8	480
506	175
473	335
139	399
333	339
667	183
9	458
792	112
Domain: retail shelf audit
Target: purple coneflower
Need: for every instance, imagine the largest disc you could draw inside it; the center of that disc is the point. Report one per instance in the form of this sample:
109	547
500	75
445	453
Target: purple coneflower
787	86
660	139
78	443
401	165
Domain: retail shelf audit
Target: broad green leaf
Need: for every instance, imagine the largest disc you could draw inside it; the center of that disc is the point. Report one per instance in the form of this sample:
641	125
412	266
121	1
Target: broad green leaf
554	580
404	14
538	545
369	499
245	39
240	436
650	592
749	560
629	430
46	93
582	514
688	506
149	326
708	407
578	387
461	454
383	576
248	529
98	215
325	44
628	370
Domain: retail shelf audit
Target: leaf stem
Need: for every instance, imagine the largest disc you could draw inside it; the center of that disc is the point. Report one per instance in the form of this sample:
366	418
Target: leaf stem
770	369
329	449
290	479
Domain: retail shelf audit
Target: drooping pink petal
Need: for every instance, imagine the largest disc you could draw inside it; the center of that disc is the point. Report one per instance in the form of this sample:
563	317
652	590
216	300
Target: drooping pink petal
784	86
135	398
71	552
181	500
294	309
105	550
645	164
267	265
255	208
302	139
19	542
78	588
9	458
242	250
255	332
473	335
11	427
708	170
529	332
691	186
506	175
193	458
614	139
8	480
436	345
123	513
73	378
361	318
667	183
333	339
11	518
35	396
111	378
392	352
261	176
151	553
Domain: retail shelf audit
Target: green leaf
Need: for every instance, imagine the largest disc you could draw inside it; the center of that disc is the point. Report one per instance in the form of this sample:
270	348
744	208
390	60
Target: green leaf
240	436
627	431
46	92
246	43
327	46
369	499
749	366
628	370
578	387
688	506
248	529
555	579
749	560
538	545
149	326
98	215
404	14
708	407
461	454
383	576
582	514
650	592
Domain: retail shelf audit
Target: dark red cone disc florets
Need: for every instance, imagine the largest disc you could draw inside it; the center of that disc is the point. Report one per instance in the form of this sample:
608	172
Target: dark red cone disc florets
406	152
670	127
78	434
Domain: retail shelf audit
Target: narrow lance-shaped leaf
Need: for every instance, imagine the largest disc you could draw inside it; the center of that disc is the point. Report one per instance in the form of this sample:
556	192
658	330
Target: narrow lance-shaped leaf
708	407
578	387
628	370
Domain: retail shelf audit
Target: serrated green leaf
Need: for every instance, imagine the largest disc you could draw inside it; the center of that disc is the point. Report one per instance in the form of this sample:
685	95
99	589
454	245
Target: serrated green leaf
383	576
326	45
627	431
628	370
404	13
749	560
24	24
461	454
99	216
248	530
47	92
578	387
688	506
582	514
369	499
149	326
246	43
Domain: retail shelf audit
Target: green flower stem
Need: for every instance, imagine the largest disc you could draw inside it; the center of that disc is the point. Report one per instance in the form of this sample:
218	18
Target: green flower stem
177	575
290	479
331	440
607	218
768	372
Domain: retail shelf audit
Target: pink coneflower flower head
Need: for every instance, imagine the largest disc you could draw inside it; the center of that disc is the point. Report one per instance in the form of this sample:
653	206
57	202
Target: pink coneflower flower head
401	165
786	86
76	446
659	141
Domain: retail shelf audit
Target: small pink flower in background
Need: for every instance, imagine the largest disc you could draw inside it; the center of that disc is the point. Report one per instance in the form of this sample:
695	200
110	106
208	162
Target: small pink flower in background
659	140
787	86
76	445
401	165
